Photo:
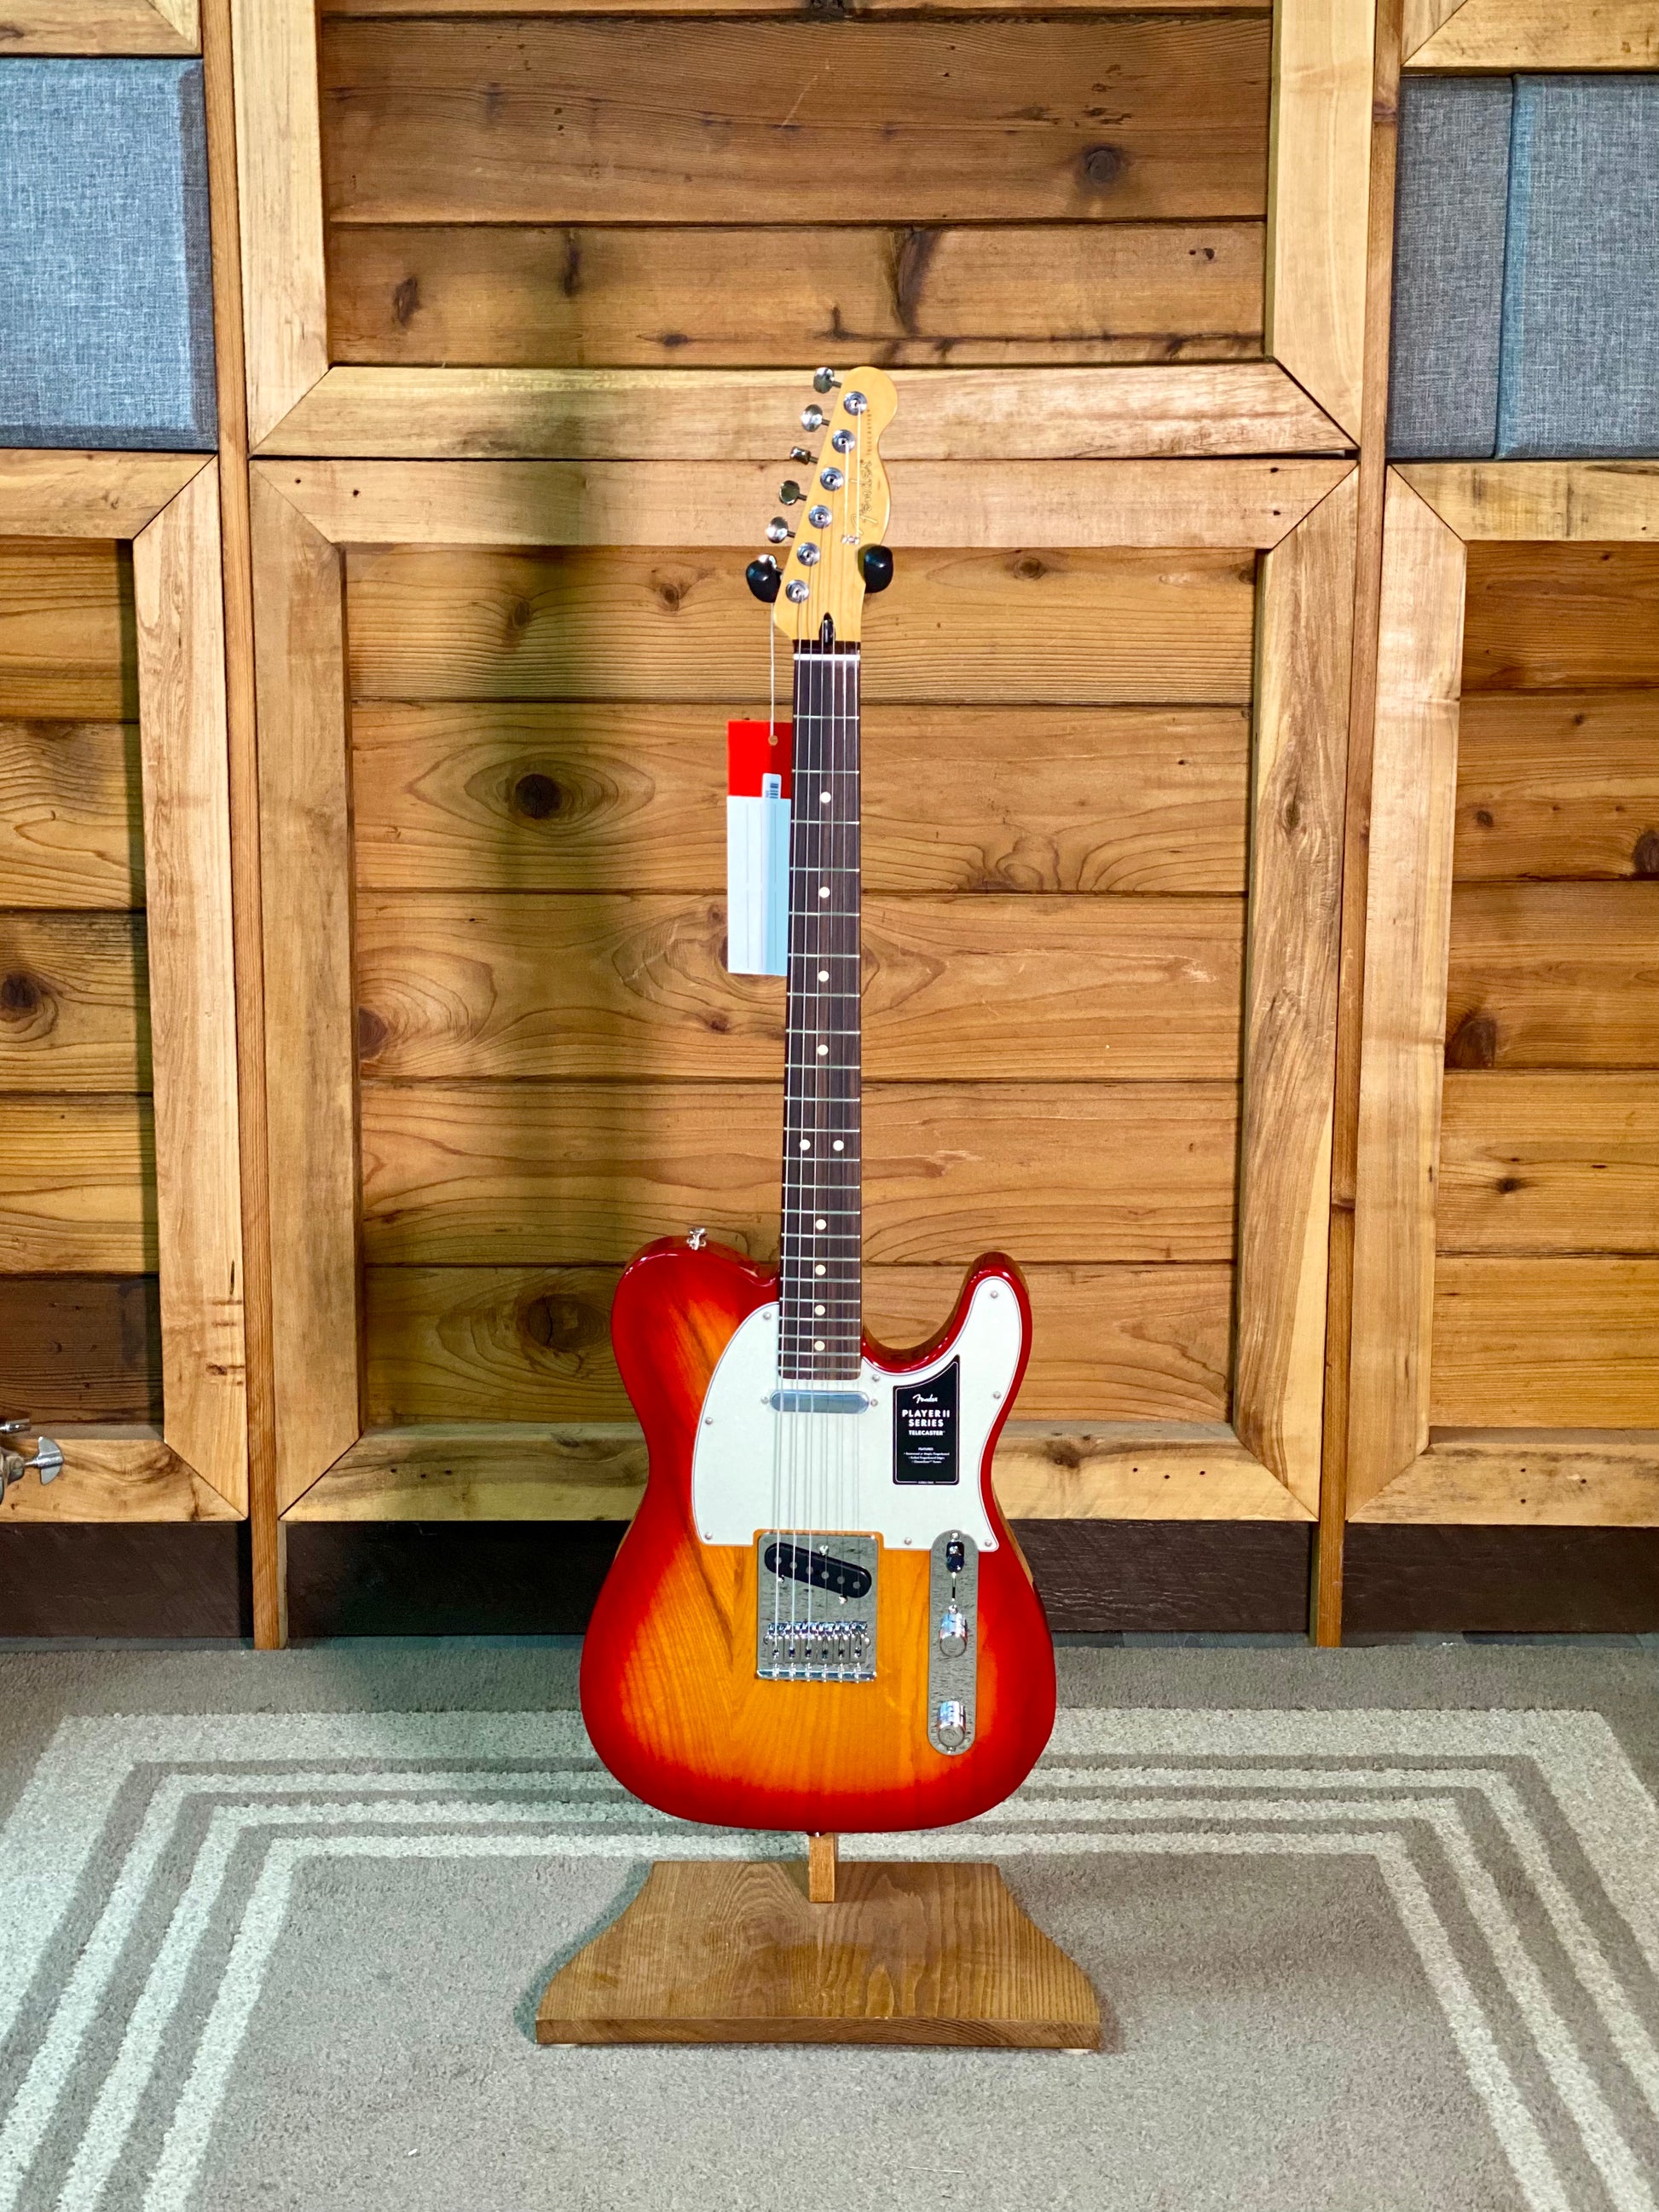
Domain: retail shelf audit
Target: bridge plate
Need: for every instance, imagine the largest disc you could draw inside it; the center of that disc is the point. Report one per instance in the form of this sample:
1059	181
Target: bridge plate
815	1609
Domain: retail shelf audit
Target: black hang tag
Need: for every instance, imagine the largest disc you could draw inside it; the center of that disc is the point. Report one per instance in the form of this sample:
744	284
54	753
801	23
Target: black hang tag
925	1428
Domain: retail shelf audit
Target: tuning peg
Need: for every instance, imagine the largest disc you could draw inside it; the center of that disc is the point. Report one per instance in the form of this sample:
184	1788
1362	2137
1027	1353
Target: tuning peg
764	578
789	492
799	453
811	417
777	530
876	566
826	380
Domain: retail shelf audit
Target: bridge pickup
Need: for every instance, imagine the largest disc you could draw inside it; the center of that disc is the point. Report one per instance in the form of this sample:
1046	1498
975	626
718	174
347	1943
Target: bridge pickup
819	1401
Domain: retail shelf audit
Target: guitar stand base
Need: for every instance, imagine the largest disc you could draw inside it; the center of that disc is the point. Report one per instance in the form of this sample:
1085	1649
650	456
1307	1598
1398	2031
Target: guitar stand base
907	1952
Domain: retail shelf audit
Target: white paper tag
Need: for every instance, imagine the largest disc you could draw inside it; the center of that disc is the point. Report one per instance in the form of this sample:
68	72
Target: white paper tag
757	849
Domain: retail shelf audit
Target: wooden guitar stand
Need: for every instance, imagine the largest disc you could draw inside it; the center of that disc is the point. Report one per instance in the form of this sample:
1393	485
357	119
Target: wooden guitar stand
772	1951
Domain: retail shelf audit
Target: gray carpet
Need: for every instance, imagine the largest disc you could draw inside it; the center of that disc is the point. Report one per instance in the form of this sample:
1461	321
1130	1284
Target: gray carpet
1377	1931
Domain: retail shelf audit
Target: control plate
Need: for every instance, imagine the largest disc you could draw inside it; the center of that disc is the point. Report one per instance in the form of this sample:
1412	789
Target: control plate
952	1676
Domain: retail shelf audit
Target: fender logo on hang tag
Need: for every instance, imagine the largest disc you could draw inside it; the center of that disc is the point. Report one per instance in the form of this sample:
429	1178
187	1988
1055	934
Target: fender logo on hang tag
759	757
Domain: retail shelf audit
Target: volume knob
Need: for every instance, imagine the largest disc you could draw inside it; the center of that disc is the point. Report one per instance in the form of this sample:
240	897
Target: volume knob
952	1633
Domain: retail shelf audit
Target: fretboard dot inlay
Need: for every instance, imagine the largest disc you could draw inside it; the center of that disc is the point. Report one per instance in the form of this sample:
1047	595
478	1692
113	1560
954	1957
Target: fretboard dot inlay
824	974
838	1146
824	1052
824	891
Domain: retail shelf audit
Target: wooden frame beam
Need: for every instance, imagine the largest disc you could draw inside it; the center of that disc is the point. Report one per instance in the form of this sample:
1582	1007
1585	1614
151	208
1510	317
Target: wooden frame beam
103	26
169	505
1534	35
1400	1469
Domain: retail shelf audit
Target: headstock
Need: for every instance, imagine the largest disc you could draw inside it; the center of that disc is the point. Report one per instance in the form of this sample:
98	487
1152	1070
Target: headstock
830	550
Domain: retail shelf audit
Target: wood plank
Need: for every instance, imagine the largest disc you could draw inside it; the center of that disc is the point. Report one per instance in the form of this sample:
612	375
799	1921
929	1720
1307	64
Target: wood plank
529	1471
454	986
1091	628
1546	1343
306	868
279	196
589	121
1536	1477
1555	501
1557	784
77	1187
1303	652
1562	617
82	1347
1554	975
1318	198
600	796
944	414
70	828
1110	1343
73	1003
95	26
54	493
532	297
115	1473
1402	1052
533	1173
944	503
1549	1163
1545	34
67	648
179	593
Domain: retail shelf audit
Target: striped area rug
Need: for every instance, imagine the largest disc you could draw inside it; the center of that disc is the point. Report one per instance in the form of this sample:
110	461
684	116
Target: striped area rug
1354	1958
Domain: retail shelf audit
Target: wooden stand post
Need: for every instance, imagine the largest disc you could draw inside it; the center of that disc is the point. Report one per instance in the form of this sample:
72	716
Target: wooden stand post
767	1951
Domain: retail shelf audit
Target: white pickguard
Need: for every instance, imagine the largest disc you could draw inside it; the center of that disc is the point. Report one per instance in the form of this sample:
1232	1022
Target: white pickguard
756	1468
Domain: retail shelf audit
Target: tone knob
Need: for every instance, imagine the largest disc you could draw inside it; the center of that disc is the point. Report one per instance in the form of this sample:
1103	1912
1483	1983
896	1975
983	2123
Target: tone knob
952	1633
950	1722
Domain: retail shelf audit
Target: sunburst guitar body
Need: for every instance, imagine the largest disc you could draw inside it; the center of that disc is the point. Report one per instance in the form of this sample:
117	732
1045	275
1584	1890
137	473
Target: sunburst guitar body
820	1618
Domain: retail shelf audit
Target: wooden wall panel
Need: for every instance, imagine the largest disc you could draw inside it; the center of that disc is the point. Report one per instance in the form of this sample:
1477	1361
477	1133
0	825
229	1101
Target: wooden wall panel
600	796
68	644
1549	1162
528	122
477	1173
1557	785
70	830
1554	975
1561	618
578	296
1065	987
1085	628
506	1344
1560	1344
79	1327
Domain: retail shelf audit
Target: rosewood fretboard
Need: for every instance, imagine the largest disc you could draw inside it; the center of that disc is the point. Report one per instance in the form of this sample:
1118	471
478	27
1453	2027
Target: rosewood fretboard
821	1286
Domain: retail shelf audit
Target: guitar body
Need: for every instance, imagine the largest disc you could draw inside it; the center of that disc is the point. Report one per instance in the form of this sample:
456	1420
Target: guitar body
670	1689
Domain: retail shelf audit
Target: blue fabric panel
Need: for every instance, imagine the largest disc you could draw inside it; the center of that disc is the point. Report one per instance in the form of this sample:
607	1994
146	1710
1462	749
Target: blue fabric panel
1580	370
1448	267
106	285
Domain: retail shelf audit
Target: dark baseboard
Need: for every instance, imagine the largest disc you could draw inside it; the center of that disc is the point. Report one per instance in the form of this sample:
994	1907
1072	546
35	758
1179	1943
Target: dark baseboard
527	1578
125	1578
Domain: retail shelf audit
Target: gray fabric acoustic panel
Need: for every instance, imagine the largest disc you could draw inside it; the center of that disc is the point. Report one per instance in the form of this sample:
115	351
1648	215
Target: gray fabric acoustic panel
1449	215
106	286
1580	373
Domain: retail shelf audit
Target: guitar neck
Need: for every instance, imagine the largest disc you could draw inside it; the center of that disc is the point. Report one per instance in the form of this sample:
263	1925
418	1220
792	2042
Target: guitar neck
821	1277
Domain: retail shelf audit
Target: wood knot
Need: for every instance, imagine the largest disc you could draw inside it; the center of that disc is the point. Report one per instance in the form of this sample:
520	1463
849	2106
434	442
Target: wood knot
670	593
1645	858
22	995
1102	165
1473	1042
536	796
405	301
1060	1451
1508	1185
556	1324
373	1031
520	615
1029	567
1483	816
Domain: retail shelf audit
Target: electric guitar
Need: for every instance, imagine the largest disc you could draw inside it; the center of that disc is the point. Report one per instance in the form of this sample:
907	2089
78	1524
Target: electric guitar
820	1618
